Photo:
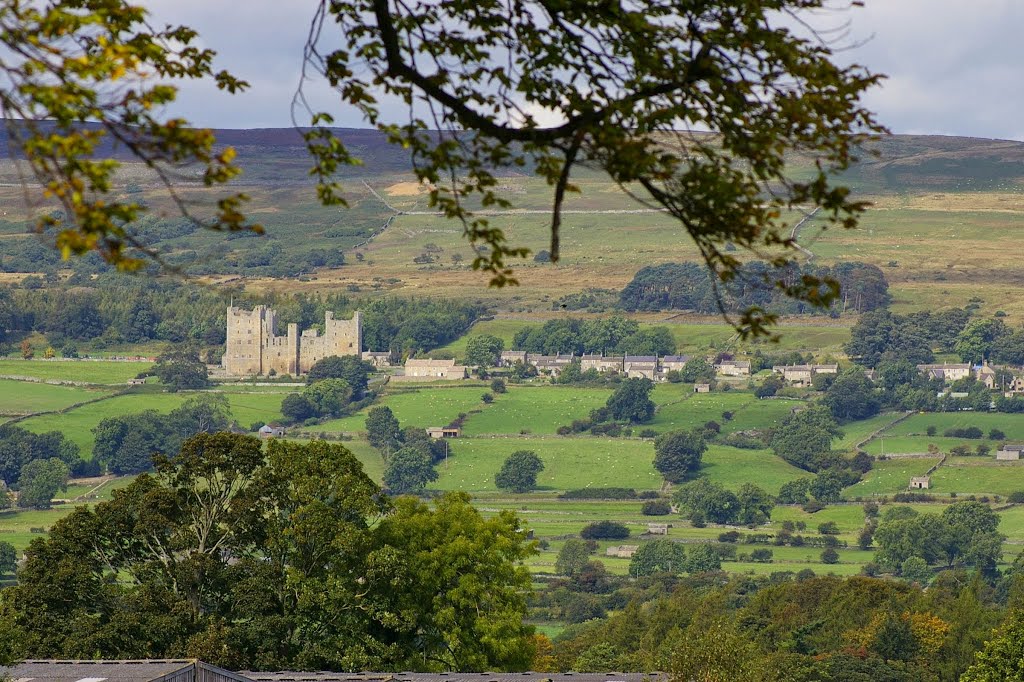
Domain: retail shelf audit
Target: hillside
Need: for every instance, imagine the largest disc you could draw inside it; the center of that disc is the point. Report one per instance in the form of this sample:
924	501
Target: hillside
929	194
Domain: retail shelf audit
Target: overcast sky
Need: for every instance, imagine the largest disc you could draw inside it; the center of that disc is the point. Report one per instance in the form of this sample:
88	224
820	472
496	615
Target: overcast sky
954	67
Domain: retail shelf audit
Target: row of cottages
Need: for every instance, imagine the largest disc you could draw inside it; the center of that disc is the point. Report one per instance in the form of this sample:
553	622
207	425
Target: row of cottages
947	372
984	373
803	375
431	370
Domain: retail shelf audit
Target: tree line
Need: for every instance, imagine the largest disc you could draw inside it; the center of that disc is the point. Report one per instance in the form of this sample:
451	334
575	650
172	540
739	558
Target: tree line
115	309
690	286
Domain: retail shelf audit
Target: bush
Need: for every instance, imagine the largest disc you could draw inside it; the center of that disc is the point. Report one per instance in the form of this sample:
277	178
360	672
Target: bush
605	530
996	434
970	432
729	536
648	433
656	508
599	494
828	528
761	556
931	430
830	556
1016	497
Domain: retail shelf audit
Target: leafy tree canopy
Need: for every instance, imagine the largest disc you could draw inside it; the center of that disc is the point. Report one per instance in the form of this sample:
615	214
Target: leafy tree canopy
519	471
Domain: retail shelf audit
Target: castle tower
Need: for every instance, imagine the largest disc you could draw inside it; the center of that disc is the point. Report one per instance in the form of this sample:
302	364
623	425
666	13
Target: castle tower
254	348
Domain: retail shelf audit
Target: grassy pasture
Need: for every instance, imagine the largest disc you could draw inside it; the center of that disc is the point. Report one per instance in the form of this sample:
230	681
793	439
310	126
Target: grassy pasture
16	525
855	432
568	463
696	409
424	407
912	445
732	467
890	476
977	475
1010	424
19	398
537	409
77	424
86	371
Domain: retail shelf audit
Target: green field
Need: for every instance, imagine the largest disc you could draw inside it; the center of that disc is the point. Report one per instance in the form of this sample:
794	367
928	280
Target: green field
977	475
854	432
424	407
1010	424
732	467
540	409
16	526
77	424
890	476
19	398
85	371
568	463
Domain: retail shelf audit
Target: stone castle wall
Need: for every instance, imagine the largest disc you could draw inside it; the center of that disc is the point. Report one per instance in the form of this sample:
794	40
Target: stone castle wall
254	348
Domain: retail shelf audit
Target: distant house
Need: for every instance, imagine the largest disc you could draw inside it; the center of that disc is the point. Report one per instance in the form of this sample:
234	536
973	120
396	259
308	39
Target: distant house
657	529
920	482
675	363
268	431
640	366
733	368
600	363
550	364
1009	453
803	375
511	357
377	358
622	551
871	374
986	375
946	372
444	432
702	388
426	369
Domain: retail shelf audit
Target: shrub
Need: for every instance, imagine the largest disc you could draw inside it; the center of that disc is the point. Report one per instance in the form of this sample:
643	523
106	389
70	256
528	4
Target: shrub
828	528
970	432
830	556
996	434
605	530
1016	497
729	536
656	508
599	494
648	433
761	556
931	430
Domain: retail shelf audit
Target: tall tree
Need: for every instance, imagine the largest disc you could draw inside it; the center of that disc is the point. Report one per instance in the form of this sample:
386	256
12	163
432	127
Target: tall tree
519	471
631	401
677	455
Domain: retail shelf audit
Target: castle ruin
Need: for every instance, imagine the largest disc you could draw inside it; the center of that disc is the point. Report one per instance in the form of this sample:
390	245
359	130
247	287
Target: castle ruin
254	348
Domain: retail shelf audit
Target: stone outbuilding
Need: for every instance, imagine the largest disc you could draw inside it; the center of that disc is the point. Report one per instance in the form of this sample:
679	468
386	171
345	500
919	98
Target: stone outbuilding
920	483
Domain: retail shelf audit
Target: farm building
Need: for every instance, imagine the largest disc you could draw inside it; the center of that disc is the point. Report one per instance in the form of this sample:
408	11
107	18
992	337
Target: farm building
268	431
427	369
920	483
622	551
657	529
1009	453
377	358
702	388
444	432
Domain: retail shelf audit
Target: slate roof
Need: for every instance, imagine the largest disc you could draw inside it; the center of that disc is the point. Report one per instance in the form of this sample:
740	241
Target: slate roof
141	670
453	677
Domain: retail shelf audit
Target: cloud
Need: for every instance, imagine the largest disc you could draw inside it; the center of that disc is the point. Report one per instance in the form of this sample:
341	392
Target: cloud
954	68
